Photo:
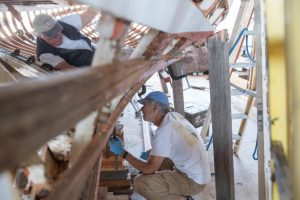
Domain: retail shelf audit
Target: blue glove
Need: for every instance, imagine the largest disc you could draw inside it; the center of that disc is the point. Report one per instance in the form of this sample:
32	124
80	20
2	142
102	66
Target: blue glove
145	155
115	144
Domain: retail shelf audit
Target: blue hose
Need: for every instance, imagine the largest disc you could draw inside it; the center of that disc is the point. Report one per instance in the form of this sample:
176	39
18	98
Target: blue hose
237	40
247	46
247	49
254	155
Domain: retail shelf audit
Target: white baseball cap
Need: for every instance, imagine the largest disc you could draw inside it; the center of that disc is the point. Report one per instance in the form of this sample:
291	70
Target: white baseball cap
46	25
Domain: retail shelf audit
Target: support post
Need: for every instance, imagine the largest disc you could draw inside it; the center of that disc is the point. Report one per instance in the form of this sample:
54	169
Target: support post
178	90
263	127
218	62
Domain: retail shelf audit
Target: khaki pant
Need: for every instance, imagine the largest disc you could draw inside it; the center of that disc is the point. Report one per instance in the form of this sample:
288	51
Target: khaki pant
166	185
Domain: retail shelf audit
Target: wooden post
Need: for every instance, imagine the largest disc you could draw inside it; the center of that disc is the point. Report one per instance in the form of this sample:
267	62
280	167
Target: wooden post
178	90
218	62
263	128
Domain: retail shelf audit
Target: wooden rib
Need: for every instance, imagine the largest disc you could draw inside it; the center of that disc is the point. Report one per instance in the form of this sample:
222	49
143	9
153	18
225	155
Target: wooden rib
26	35
13	44
23	107
92	186
16	18
12	70
76	176
12	40
79	173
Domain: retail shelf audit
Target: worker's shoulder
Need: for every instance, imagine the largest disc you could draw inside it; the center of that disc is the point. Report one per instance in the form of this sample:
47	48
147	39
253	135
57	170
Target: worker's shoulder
71	19
176	117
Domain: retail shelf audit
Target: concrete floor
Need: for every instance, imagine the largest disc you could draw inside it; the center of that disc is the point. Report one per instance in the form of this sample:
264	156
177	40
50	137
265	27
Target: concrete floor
245	168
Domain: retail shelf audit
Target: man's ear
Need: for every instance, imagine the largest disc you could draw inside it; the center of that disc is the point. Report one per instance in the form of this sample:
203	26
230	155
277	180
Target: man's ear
155	107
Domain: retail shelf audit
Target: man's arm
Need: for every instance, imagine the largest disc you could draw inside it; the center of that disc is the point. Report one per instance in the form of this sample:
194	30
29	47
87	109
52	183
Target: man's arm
88	15
56	61
148	167
64	66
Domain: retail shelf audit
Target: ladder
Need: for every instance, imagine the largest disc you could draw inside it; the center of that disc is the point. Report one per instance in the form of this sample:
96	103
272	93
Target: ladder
248	87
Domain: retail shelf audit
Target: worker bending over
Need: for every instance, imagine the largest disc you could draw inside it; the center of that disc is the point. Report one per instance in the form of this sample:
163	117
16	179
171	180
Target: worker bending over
175	139
60	43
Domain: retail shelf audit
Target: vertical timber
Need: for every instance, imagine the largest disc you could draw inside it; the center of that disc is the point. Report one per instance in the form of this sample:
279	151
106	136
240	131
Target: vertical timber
178	90
218	62
263	129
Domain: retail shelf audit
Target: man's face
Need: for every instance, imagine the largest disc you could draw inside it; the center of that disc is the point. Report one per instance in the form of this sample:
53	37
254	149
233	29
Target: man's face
55	41
148	111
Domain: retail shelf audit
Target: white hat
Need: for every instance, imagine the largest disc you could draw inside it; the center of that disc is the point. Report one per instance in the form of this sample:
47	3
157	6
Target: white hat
46	25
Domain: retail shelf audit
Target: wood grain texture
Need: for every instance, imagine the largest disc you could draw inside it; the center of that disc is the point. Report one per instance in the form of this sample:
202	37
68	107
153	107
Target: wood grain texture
71	184
221	115
36	110
102	195
92	184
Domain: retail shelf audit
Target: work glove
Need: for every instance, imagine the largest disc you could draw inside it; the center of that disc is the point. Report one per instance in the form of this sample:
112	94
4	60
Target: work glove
115	144
145	155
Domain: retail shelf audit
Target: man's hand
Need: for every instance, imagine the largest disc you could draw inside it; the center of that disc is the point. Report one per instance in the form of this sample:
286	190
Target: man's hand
115	144
64	66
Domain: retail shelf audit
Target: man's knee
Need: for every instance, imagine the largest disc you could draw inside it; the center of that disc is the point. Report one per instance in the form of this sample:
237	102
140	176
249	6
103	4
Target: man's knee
139	184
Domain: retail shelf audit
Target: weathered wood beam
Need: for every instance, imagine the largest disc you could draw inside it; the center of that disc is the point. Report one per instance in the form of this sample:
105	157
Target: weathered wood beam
33	112
70	185
92	185
177	86
102	195
262	98
218	63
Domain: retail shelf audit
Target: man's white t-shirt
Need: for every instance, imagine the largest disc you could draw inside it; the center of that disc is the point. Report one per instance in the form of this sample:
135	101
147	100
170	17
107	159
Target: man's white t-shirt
175	138
75	21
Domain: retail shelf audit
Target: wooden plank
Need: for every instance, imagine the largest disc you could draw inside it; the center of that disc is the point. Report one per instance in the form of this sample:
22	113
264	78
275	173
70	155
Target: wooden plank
263	127
70	185
178	96
92	184
115	183
221	115
31	112
5	75
178	90
102	194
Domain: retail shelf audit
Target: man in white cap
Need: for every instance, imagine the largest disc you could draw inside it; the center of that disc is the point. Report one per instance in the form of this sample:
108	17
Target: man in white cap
60	43
175	139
